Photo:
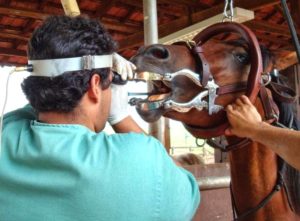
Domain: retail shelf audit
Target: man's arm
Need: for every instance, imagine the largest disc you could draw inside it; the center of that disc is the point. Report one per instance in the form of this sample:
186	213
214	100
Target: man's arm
245	121
127	125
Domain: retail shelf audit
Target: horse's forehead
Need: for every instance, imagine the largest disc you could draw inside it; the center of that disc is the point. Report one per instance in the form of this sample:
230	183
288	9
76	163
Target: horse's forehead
221	47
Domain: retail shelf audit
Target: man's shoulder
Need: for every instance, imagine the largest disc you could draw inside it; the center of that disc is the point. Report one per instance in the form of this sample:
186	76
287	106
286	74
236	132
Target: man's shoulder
135	142
133	137
23	113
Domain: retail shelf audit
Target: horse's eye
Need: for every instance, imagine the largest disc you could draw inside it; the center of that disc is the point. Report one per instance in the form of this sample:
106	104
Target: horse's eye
242	58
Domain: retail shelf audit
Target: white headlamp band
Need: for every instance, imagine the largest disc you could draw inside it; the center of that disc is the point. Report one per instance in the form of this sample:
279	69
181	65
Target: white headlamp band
55	67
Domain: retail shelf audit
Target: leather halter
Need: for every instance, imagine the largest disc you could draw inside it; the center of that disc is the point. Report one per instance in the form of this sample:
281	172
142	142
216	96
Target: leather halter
254	77
152	110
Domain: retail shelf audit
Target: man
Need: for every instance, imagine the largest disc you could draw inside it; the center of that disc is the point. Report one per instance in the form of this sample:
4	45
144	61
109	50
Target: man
58	164
245	121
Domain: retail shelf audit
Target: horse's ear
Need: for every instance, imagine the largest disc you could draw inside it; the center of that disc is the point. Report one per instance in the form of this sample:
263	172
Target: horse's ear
268	59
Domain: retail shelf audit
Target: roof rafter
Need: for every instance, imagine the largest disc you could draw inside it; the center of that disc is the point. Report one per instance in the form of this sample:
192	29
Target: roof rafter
12	52
268	27
163	30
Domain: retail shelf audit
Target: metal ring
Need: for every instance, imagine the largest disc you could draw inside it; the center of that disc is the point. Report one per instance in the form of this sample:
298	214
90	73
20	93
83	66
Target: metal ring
200	145
268	80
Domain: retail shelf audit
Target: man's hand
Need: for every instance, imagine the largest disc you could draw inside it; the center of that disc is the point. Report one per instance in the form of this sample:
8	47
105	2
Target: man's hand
123	67
119	104
119	97
243	118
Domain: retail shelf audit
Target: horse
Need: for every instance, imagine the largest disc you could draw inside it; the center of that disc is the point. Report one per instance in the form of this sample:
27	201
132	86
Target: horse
182	92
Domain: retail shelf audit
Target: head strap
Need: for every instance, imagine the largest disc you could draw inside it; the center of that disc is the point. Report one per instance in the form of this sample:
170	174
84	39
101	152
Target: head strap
55	67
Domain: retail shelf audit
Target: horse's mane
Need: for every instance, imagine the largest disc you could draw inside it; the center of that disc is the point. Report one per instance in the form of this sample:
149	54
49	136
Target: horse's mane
288	118
291	175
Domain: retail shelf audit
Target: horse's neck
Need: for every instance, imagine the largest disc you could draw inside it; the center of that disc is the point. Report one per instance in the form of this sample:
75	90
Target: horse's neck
253	176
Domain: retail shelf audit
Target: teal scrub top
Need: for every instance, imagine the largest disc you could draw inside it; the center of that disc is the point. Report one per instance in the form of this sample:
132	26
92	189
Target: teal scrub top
65	172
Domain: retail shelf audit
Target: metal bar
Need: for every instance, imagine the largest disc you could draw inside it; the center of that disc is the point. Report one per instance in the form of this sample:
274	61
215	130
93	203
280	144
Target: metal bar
156	129
213	182
292	29
150	22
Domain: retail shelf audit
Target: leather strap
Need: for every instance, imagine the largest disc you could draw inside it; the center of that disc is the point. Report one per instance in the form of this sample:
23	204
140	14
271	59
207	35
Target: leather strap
232	88
206	74
268	105
241	143
282	93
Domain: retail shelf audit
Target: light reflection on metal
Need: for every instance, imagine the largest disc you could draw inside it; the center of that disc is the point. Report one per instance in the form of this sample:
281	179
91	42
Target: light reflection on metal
213	182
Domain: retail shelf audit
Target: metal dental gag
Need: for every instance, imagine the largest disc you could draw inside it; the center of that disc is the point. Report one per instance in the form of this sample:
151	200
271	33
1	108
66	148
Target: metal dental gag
168	103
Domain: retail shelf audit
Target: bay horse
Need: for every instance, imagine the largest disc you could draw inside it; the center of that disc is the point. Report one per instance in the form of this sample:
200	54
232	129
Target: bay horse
182	92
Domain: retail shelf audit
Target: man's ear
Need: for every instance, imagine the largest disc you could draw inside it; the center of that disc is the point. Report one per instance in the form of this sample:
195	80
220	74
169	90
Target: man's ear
94	91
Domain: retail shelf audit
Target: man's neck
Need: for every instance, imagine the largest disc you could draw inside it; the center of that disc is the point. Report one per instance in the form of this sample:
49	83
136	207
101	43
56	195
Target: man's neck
66	118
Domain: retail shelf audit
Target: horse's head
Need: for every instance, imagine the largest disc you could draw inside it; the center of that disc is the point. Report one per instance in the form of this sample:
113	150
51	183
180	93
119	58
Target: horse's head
185	76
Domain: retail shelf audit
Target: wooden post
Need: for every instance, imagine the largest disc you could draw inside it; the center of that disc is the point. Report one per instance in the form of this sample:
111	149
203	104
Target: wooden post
70	7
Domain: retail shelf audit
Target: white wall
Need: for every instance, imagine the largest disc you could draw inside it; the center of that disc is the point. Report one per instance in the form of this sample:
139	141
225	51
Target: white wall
15	98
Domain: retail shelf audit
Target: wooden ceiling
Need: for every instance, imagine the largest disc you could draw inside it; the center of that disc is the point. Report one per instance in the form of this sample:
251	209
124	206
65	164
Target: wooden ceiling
124	20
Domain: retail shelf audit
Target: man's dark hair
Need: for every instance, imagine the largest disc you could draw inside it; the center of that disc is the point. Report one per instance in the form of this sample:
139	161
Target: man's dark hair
65	37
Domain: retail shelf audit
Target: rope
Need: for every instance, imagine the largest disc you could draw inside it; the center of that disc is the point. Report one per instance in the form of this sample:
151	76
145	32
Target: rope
4	105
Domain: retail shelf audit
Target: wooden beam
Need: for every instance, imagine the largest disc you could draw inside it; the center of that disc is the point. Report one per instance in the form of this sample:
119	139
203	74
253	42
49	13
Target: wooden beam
284	59
272	39
12	31
13	36
105	5
295	8
166	29
12	52
184	2
268	27
23	13
288	47
113	25
139	4
117	26
256	5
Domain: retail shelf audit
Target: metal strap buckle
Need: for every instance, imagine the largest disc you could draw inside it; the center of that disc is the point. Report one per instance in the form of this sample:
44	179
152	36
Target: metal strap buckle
88	62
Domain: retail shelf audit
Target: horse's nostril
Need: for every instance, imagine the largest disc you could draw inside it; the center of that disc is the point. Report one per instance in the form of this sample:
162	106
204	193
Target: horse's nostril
158	52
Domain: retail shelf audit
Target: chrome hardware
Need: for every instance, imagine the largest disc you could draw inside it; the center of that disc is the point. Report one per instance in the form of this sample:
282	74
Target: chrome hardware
196	102
212	94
